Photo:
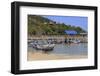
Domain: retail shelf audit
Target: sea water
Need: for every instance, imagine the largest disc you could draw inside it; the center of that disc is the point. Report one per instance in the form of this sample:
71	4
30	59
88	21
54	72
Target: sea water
66	49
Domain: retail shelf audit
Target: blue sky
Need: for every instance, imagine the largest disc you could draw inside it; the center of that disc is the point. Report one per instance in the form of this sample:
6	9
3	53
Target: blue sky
71	20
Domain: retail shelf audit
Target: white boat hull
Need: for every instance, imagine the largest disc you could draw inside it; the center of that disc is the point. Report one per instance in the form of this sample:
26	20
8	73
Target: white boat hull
45	47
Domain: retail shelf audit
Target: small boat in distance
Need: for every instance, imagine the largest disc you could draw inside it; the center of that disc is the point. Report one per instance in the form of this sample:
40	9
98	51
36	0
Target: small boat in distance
76	41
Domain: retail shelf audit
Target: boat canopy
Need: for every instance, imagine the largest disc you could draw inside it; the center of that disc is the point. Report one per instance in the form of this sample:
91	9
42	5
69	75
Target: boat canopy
70	32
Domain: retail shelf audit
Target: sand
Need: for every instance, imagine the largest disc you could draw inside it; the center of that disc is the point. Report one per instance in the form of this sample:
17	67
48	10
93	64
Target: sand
43	56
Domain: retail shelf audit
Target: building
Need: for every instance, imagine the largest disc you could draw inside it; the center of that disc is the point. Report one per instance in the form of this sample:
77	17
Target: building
83	34
70	32
72	35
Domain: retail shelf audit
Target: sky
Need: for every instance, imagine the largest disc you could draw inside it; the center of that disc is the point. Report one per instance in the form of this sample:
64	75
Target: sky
71	20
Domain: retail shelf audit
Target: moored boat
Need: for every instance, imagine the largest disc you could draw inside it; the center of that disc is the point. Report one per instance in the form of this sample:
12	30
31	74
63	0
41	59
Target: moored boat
43	45
76	41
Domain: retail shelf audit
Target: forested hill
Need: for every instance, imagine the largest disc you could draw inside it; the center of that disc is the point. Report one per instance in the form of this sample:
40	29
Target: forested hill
38	25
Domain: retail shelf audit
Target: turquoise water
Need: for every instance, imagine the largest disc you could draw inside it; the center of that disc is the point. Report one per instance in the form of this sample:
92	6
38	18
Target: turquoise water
66	49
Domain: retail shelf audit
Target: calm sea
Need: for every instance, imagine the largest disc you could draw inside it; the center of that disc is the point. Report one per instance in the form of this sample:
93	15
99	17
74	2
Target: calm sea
66	49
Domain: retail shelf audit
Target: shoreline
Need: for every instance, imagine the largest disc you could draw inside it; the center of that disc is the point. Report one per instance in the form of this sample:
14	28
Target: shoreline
44	56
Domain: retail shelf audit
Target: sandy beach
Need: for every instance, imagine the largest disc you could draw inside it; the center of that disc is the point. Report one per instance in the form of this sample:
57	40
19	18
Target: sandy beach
43	56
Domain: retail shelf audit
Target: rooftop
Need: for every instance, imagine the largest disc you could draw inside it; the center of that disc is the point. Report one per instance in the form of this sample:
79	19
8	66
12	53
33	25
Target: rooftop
70	32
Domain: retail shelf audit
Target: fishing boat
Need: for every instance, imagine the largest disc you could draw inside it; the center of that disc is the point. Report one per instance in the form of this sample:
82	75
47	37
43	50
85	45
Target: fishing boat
43	45
76	41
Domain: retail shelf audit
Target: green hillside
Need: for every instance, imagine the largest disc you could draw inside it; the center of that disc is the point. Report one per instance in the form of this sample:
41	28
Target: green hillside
38	25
